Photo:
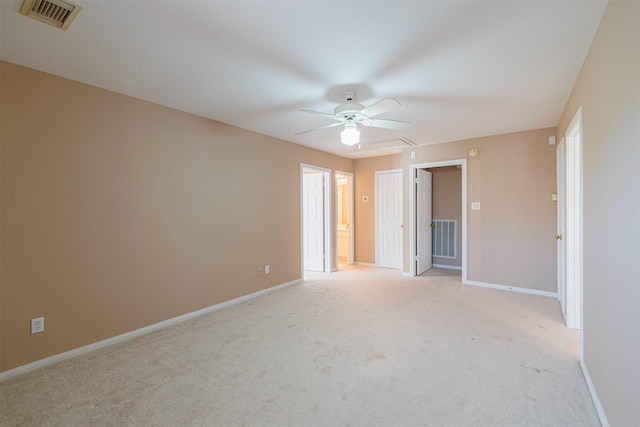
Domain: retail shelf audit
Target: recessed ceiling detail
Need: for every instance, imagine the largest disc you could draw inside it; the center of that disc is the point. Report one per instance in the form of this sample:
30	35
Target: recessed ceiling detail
59	14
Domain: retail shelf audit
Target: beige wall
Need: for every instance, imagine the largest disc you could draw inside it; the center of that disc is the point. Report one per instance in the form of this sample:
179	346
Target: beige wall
447	204
118	213
608	90
511	239
364	213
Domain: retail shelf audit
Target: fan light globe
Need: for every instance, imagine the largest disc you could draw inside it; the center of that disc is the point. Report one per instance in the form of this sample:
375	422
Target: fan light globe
350	136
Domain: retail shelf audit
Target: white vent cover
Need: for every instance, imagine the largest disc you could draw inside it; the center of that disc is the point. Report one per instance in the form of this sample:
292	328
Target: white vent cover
58	13
444	238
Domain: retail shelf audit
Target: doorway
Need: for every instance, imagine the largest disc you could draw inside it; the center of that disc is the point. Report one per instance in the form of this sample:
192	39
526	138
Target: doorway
421	232
344	219
445	239
315	214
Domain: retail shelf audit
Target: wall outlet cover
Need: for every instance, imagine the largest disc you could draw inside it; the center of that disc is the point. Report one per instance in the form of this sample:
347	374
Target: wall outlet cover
37	325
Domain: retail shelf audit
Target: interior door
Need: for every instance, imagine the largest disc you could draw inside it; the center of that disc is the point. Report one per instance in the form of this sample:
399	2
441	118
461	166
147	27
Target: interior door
313	221
572	238
424	215
560	232
389	219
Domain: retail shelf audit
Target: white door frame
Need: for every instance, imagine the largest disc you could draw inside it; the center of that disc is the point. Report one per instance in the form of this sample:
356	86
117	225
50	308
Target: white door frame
328	190
375	220
350	197
573	223
412	211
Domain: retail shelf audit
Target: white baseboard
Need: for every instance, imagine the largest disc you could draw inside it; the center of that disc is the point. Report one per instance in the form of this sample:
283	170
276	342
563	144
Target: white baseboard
21	370
448	267
407	274
365	264
594	395
511	288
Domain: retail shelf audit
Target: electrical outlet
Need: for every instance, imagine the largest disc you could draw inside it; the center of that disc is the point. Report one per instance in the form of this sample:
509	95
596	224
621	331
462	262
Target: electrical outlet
260	271
37	325
266	269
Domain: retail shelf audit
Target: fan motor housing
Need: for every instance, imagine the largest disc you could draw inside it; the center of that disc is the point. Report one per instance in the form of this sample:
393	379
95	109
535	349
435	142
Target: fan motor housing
348	109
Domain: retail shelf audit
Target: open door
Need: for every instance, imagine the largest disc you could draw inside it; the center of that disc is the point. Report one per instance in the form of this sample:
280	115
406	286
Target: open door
560	231
423	185
572	237
313	221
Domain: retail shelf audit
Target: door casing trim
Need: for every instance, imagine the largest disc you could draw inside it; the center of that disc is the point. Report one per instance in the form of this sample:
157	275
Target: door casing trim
412	213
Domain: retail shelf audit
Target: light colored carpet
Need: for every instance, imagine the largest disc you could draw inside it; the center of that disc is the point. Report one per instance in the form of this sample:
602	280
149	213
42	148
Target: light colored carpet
363	347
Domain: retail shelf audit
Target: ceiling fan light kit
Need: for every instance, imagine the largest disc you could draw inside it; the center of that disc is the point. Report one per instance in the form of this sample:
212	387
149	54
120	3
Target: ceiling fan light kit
351	113
350	135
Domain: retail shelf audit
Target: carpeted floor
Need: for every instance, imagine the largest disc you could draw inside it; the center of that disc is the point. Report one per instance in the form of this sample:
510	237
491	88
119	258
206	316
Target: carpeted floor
362	347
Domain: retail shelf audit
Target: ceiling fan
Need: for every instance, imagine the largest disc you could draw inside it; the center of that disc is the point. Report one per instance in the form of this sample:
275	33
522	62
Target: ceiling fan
351	113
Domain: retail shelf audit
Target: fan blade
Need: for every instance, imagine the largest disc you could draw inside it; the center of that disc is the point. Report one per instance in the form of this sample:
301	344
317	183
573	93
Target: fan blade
321	127
380	107
387	124
320	113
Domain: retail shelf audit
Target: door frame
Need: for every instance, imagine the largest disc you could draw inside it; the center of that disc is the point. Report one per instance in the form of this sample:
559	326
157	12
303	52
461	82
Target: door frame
350	214
375	211
328	189
413	217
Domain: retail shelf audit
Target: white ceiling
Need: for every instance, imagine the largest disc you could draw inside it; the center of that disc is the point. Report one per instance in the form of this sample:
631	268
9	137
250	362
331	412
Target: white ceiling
460	69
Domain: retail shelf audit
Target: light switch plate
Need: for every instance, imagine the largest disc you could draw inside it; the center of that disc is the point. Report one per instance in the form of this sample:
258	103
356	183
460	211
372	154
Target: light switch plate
475	206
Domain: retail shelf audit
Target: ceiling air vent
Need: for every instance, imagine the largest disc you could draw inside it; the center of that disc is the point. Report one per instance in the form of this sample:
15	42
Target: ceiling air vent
58	13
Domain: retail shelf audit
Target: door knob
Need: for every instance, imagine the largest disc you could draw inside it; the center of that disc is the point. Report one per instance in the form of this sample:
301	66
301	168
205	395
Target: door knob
558	237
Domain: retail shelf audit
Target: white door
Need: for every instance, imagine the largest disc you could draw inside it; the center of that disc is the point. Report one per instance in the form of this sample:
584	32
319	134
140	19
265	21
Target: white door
313	221
389	219
424	216
560	234
573	223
